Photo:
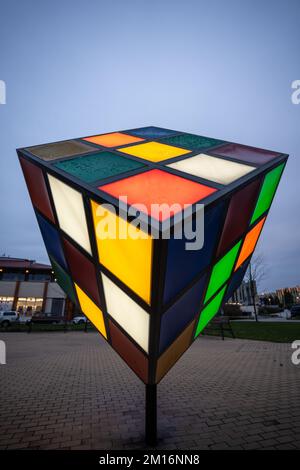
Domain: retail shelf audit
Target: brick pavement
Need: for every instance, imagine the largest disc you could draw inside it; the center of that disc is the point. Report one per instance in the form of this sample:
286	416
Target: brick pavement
71	391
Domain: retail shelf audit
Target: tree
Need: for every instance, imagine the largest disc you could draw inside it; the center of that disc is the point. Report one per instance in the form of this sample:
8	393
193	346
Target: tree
254	275
288	298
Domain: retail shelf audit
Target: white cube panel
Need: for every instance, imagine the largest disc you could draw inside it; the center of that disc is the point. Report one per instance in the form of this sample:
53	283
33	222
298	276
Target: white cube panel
212	168
70	212
132	318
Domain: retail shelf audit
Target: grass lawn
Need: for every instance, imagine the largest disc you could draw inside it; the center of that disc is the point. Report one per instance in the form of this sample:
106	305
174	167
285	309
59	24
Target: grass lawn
282	332
265	331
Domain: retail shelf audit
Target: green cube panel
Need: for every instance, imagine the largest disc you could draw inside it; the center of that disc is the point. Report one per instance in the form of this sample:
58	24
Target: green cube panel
267	192
192	142
63	279
210	311
222	271
98	166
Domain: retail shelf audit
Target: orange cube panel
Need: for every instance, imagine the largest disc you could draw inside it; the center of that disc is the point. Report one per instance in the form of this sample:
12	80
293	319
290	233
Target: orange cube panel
158	187
113	140
249	243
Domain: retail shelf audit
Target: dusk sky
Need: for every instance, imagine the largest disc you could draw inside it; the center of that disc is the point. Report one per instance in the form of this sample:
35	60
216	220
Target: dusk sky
221	69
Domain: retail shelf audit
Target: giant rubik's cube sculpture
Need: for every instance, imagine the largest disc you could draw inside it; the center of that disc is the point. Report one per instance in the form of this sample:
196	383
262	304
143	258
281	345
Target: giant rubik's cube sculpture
149	297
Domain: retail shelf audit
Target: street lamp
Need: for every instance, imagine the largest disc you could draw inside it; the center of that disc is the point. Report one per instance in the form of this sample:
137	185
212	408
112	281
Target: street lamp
146	293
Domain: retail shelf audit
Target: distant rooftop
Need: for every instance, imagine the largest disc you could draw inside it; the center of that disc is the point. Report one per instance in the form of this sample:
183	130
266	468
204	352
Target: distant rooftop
21	263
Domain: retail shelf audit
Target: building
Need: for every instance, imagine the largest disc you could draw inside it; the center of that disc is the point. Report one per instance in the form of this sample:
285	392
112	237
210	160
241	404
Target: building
293	293
285	297
29	287
243	294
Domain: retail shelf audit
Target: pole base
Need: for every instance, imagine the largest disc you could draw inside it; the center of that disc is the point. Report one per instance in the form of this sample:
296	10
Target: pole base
151	415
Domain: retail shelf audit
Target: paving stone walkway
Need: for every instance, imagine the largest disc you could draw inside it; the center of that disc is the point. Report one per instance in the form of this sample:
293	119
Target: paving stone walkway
71	391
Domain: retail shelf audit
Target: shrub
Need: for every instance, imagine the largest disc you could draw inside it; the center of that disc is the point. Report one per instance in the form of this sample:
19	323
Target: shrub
268	309
232	310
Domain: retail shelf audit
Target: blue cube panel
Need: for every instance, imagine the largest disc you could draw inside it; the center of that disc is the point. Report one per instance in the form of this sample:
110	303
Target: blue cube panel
151	132
182	312
236	281
52	241
183	265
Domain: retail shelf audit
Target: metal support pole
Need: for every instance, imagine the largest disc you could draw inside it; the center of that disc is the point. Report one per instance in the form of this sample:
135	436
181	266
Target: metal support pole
151	415
252	291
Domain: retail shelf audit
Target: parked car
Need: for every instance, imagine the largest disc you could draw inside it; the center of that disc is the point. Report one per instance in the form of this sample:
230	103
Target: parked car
80	319
8	317
46	319
23	319
295	310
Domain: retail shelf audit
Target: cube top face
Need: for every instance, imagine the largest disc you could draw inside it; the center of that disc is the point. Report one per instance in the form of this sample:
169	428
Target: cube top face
118	167
148	294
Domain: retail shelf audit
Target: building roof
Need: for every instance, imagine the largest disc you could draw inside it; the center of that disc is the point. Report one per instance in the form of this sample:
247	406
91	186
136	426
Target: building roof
22	263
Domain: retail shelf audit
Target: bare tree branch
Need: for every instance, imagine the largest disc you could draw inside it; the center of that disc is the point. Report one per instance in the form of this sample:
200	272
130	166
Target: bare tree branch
258	267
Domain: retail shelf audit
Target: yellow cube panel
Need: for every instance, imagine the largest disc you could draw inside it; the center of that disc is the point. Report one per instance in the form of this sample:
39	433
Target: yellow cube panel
124	250
91	310
154	151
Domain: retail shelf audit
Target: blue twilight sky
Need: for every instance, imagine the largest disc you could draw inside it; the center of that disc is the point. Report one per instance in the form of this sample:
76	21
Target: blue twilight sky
222	69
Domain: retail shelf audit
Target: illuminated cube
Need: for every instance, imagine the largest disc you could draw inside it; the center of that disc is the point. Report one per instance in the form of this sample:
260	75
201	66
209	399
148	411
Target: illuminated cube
147	294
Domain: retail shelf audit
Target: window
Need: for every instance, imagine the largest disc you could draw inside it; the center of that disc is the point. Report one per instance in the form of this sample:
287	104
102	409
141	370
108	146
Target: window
13	276
39	277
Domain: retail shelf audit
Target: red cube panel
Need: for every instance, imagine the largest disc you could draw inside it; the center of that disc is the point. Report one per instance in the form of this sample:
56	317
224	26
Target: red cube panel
129	352
37	188
238	215
158	187
83	271
247	154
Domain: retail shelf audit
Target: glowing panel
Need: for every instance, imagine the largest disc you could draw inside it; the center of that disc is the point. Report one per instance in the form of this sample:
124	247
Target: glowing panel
63	279
129	258
154	151
192	142
98	166
235	281
210	311
67	148
238	215
113	140
127	313
151	132
52	240
91	311
184	265
174	351
158	187
82	270
212	168
267	191
133	356
247	154
249	243
222	271
180	314
70	212
37	188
